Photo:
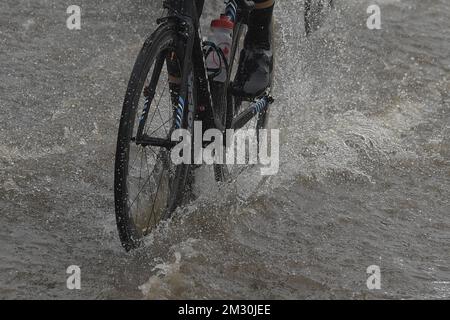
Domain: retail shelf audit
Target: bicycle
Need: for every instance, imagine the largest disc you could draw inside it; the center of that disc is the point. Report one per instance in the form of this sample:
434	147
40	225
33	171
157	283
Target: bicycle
148	186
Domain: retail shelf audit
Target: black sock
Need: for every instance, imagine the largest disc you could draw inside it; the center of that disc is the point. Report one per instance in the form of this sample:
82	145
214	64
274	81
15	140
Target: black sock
260	28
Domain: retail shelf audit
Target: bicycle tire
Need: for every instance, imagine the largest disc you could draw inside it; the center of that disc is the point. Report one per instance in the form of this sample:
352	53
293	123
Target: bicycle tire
130	232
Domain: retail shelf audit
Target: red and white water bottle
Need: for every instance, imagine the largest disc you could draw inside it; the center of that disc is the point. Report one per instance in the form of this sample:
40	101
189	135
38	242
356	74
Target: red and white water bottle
222	36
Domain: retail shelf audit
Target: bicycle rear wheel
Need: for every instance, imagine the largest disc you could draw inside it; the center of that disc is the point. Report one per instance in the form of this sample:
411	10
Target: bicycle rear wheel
229	107
148	186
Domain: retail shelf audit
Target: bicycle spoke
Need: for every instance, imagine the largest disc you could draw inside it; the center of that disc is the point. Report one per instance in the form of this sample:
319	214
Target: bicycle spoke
135	158
157	107
146	158
155	156
140	178
160	116
140	191
171	119
154	200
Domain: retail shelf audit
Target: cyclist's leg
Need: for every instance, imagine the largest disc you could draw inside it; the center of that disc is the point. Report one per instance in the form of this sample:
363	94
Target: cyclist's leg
200	4
256	61
260	24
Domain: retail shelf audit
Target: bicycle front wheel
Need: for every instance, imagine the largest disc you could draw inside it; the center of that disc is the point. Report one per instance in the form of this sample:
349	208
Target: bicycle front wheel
148	186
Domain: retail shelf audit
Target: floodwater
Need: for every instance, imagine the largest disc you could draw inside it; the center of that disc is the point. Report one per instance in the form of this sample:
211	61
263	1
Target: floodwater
364	179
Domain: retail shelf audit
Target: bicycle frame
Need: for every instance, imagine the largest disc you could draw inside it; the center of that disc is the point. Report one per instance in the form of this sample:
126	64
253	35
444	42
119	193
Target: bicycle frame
186	14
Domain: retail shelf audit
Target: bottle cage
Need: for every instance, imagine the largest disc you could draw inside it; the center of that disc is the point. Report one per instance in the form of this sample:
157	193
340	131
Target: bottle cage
210	47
